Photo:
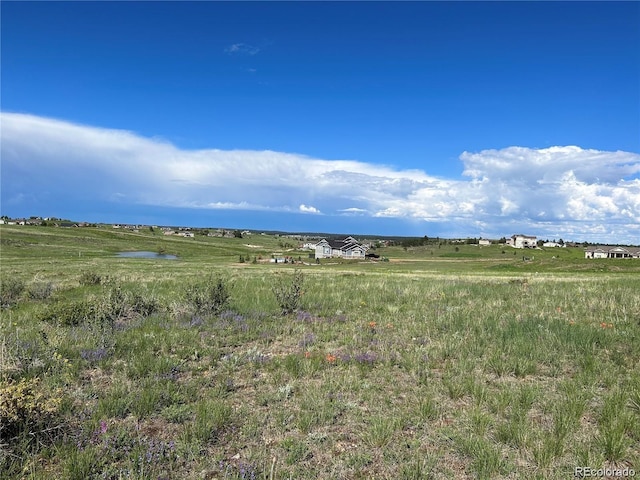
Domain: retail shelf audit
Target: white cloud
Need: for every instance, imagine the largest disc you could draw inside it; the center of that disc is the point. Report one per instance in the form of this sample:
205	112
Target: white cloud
308	209
559	191
353	211
242	49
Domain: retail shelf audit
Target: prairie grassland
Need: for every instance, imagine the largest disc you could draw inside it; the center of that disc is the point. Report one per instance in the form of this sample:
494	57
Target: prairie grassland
443	367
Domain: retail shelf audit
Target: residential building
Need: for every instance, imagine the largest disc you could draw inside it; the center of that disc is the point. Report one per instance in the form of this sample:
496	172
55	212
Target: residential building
604	251
348	248
522	241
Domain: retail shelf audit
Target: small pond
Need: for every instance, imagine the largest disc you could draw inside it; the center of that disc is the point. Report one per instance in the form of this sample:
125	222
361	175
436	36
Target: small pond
163	256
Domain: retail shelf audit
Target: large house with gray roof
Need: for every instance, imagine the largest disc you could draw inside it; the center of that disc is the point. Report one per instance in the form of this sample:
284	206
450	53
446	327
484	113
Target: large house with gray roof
348	248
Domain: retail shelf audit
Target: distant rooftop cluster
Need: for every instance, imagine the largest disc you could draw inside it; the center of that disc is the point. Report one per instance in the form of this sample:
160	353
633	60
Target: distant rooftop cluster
332	246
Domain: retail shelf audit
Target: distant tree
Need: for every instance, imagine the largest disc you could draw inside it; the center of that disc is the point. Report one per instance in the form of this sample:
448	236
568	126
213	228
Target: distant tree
561	242
151	229
237	233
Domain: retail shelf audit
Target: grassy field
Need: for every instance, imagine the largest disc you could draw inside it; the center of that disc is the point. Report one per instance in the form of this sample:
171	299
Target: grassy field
439	363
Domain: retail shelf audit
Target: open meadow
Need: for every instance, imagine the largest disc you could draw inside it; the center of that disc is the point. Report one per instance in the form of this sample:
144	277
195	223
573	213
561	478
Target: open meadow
443	362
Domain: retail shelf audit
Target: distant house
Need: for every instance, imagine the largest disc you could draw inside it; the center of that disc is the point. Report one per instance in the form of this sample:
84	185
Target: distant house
600	251
348	248
186	234
553	245
484	242
522	241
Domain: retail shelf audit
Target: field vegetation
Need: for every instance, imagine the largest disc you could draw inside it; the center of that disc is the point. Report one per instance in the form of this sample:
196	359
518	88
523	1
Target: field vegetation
443	362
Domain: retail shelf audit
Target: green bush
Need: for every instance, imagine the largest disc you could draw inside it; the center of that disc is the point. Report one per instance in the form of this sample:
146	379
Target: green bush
144	306
25	405
30	418
91	278
72	313
10	291
210	297
115	304
40	290
289	293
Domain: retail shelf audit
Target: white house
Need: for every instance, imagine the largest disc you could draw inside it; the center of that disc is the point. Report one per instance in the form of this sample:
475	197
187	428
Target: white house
600	251
484	242
348	248
552	245
522	241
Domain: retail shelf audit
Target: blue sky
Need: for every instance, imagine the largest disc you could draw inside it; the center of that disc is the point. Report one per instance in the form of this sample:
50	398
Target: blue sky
416	118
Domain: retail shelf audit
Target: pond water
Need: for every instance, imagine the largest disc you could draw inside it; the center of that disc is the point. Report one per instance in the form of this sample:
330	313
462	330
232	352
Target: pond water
163	256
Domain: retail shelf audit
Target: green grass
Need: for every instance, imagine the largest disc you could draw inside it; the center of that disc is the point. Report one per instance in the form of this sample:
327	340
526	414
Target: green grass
436	364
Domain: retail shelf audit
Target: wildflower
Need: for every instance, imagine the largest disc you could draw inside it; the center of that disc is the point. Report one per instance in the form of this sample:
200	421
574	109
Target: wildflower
331	358
389	325
572	322
103	427
558	309
603	324
372	324
307	354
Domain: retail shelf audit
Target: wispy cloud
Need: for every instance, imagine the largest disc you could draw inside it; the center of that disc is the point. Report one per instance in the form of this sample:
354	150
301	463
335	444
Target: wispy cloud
242	49
565	191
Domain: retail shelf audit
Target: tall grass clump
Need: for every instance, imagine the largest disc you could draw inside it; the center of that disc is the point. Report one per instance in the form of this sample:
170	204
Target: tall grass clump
40	290
209	297
112	305
288	292
10	291
90	278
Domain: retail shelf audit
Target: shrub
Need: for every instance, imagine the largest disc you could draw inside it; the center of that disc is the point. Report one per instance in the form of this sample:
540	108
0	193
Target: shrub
40	290
30	418
113	305
90	278
71	313
289	293
26	408
10	291
210	297
144	306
